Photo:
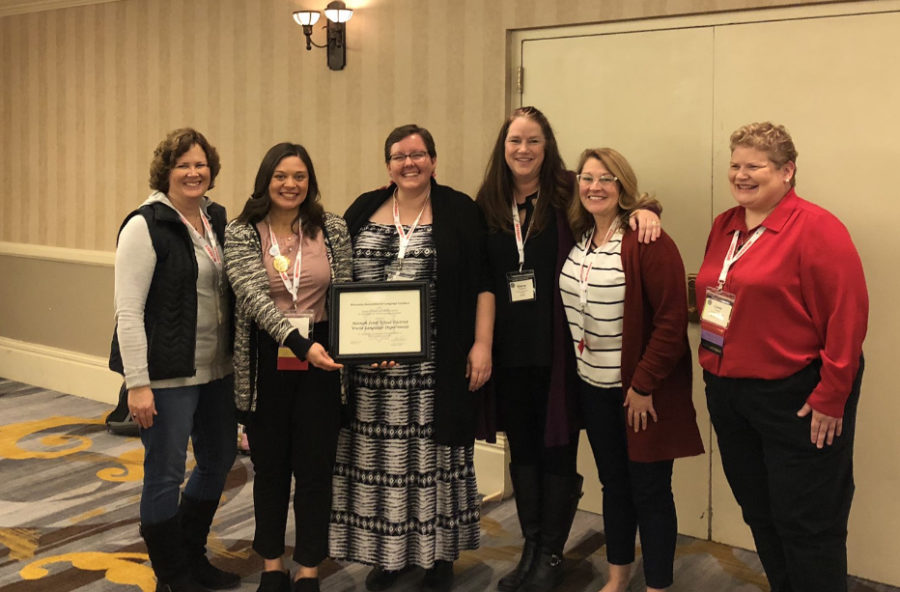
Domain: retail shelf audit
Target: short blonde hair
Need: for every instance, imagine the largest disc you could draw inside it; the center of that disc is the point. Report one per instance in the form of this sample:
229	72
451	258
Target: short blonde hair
770	138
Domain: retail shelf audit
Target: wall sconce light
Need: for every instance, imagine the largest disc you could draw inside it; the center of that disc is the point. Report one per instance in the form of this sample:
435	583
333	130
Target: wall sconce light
336	13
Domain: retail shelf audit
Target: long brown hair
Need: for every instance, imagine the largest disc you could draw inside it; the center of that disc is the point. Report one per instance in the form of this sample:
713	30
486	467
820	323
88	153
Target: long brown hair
257	207
556	184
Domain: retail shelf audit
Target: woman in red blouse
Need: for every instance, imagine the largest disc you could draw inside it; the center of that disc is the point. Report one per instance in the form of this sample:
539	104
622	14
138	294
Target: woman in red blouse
783	321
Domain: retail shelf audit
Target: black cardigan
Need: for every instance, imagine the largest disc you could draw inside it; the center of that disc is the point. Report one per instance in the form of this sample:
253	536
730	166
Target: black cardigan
459	235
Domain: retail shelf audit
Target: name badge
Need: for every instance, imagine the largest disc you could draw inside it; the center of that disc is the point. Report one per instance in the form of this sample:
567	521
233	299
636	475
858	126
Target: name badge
394	272
714	320
522	285
302	321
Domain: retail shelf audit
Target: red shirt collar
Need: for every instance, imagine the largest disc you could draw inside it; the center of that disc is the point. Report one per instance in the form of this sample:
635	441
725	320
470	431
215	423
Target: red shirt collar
775	221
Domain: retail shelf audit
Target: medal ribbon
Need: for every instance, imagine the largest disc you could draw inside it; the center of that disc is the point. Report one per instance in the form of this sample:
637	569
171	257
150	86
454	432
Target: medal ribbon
584	273
292	284
517	228
731	256
210	245
405	236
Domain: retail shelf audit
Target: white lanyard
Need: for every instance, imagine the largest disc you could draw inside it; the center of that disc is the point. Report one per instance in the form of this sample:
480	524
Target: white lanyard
731	256
292	284
584	273
209	245
517	227
405	236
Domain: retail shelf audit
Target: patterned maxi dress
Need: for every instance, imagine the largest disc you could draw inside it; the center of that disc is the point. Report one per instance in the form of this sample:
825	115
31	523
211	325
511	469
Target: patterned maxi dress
399	498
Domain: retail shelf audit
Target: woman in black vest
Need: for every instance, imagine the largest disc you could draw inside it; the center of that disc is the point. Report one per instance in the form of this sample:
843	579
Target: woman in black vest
173	345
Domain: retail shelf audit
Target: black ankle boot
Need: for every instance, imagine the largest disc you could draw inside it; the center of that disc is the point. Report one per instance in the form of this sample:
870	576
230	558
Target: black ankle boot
438	578
196	517
526	481
274	581
380	579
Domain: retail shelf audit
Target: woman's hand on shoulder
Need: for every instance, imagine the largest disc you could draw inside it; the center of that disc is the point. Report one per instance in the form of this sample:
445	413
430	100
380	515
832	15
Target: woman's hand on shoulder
318	357
638	408
142	405
646	224
823	429
478	365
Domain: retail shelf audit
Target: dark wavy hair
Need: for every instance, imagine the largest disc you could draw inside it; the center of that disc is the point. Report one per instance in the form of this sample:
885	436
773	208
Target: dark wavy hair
404	131
496	192
168	152
258	204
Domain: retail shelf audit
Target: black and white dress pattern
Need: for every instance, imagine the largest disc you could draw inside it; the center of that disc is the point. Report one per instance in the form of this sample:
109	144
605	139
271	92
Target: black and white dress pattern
399	498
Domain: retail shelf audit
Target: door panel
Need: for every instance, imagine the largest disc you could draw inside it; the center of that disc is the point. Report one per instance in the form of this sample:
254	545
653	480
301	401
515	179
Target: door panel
632	92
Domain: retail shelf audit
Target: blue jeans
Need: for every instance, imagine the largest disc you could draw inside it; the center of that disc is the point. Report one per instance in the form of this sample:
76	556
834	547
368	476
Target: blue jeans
205	413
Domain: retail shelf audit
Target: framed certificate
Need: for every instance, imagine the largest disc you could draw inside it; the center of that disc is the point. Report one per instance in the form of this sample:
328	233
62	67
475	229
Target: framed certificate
380	321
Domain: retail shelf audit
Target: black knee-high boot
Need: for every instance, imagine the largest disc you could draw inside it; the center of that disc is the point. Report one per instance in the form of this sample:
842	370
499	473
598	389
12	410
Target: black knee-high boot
526	480
558	506
168	557
196	517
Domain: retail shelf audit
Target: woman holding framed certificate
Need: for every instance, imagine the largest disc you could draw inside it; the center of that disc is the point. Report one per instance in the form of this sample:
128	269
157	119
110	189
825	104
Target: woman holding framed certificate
405	491
282	254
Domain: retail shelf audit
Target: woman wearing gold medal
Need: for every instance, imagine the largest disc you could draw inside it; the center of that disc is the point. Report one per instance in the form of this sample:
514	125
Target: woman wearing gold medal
405	491
282	254
172	342
782	328
627	311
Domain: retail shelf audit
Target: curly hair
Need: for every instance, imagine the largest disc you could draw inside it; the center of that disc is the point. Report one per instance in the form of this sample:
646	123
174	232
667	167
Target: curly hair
496	191
311	212
168	152
630	198
770	138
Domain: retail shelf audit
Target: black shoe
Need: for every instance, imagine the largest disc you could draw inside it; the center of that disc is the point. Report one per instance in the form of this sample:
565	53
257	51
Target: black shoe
167	556
274	581
438	578
513	580
306	585
545	574
211	577
381	579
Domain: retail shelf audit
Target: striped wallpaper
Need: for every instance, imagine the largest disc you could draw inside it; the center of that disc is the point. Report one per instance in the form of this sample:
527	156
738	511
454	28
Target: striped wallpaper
88	91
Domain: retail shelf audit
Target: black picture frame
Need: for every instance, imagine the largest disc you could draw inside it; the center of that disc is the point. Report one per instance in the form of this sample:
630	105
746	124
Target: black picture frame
372	322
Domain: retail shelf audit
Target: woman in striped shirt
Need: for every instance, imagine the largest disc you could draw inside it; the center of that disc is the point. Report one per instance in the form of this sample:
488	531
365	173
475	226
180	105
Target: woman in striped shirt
627	311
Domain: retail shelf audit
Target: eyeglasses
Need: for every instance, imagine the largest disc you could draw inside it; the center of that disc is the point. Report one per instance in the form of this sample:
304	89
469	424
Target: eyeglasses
603	179
400	158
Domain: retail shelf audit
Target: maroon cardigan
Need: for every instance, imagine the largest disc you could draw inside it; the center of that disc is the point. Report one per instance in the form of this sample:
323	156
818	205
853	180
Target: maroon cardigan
656	355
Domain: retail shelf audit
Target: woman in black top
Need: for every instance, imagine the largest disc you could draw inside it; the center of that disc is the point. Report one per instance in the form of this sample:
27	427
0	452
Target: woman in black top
534	368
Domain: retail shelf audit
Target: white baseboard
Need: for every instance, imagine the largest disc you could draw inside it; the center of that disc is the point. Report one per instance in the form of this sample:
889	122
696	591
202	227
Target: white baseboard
491	469
60	370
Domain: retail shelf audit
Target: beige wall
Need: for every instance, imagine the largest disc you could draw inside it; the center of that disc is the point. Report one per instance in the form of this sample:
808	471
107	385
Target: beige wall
88	91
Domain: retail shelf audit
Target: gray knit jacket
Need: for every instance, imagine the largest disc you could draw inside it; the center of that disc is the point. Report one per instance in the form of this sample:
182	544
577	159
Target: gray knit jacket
255	308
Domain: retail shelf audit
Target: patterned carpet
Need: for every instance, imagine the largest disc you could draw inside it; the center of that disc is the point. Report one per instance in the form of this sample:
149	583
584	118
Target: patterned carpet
69	496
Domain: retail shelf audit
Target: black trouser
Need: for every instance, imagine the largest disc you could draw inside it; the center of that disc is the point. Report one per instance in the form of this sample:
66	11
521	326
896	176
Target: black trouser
636	495
523	394
794	496
293	432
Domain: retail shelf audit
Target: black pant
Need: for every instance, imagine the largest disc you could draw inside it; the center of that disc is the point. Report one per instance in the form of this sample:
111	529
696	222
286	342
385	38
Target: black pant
293	432
794	497
523	395
636	495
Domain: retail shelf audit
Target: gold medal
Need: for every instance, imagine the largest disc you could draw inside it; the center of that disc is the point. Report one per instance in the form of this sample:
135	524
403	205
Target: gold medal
280	263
